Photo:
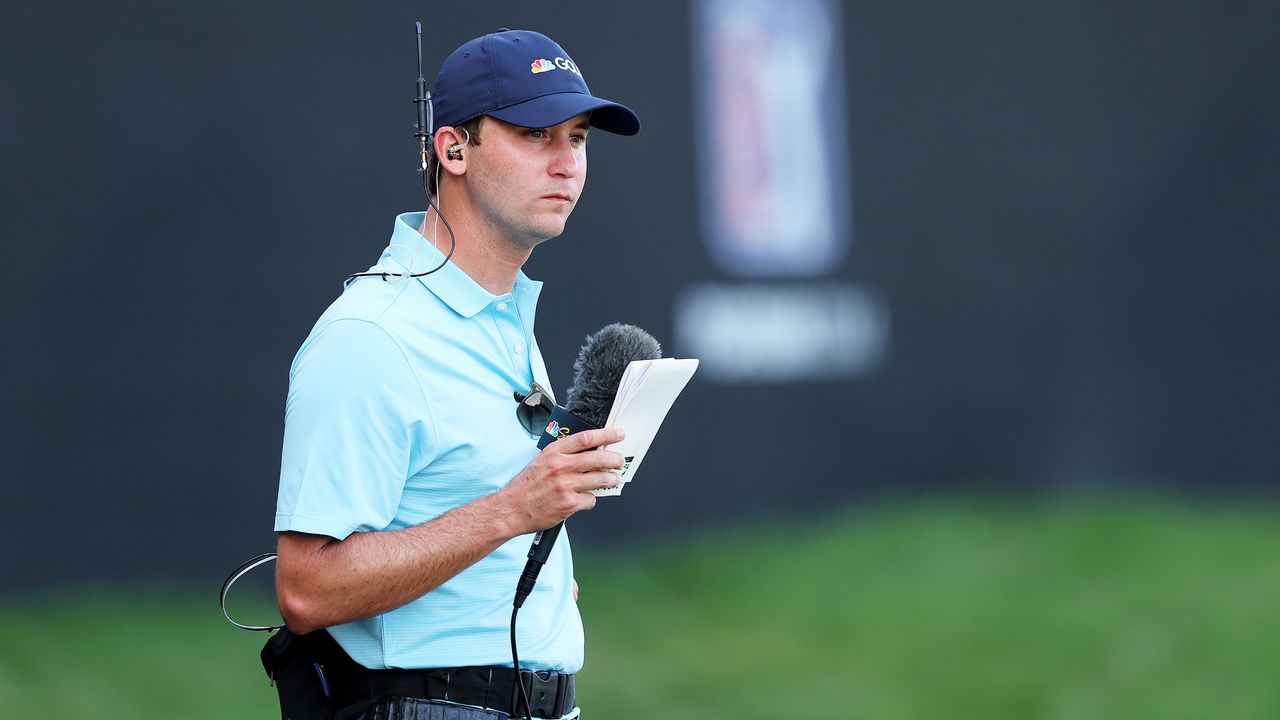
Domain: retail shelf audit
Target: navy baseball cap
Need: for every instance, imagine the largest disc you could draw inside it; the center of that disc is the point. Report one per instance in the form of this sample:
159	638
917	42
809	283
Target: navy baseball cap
524	78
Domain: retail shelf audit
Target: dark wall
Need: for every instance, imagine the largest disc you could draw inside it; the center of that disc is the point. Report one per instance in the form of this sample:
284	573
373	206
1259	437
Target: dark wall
1069	209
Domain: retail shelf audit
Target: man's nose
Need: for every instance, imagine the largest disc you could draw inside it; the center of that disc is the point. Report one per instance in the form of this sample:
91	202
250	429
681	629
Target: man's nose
567	160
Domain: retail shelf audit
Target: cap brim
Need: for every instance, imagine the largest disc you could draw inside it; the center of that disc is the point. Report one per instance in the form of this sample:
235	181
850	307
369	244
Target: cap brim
555	108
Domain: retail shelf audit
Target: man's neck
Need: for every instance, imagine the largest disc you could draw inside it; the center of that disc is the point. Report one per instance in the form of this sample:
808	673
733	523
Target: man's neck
486	258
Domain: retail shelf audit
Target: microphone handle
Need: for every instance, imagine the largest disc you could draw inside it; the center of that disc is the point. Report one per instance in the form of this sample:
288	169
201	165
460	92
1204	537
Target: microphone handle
540	551
561	423
538	554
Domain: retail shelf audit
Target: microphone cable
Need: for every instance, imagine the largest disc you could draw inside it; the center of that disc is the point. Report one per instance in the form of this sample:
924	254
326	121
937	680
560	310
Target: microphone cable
453	239
515	664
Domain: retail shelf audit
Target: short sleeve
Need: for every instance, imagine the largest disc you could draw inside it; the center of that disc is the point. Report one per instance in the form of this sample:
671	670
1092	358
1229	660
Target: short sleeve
357	426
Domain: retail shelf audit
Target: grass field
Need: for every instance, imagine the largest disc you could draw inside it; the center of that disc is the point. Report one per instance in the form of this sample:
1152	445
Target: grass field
961	609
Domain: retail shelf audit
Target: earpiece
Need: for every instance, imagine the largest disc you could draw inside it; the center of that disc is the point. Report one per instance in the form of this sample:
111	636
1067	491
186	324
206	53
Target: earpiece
455	151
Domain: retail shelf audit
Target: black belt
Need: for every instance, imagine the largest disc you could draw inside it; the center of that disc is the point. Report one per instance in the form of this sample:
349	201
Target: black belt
355	687
551	694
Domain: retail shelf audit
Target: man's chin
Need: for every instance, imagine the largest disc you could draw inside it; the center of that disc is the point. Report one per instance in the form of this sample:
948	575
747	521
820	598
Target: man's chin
540	235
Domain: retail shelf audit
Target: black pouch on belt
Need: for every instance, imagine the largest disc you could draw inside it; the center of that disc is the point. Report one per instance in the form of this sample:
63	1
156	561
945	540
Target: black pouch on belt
300	666
296	665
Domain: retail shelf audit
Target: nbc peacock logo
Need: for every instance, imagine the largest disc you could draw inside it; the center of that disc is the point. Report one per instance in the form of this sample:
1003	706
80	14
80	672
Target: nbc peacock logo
541	65
553	428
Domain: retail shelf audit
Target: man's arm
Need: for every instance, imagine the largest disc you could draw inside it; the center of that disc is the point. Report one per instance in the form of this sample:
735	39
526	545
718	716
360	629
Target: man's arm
322	582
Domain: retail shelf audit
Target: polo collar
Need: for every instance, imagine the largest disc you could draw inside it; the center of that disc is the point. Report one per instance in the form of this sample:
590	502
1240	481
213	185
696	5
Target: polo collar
408	249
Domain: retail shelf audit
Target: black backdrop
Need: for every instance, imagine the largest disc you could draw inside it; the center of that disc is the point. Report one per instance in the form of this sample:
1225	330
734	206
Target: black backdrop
1070	210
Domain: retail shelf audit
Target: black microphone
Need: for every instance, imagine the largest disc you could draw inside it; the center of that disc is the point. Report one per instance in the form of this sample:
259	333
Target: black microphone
597	372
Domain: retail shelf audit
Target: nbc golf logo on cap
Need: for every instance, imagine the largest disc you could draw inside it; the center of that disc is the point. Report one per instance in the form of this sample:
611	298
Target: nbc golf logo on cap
542	65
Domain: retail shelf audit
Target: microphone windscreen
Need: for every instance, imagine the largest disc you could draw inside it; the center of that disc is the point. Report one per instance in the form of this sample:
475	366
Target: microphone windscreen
600	365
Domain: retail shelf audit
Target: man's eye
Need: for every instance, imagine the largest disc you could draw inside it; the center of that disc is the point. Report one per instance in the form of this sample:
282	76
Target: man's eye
579	139
538	133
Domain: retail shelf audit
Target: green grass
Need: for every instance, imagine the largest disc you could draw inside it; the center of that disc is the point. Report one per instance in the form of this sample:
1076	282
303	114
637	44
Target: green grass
1141	609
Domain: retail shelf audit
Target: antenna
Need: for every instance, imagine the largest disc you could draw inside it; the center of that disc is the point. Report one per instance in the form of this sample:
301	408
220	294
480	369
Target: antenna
424	128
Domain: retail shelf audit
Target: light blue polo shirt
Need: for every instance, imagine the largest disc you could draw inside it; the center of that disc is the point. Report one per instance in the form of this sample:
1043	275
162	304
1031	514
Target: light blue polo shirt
400	408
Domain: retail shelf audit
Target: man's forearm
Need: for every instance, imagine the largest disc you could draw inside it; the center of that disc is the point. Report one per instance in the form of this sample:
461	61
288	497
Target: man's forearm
322	582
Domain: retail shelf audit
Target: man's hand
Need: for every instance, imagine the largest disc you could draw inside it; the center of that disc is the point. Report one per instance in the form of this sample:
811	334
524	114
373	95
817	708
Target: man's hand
558	482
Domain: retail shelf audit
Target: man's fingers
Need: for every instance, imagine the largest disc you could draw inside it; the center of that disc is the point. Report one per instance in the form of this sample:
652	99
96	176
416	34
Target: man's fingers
597	481
593	460
585	439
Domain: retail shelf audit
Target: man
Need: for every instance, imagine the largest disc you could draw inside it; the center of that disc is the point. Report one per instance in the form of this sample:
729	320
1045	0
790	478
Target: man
408	487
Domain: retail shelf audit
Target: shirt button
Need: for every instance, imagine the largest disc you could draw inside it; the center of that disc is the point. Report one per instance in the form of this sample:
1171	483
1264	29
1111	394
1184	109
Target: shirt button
502	307
519	348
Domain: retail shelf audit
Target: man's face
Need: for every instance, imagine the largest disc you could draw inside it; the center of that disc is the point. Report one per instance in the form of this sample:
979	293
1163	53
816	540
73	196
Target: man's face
526	181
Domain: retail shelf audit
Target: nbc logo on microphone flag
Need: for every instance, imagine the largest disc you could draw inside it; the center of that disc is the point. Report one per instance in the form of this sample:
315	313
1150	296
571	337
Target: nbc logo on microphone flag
553	428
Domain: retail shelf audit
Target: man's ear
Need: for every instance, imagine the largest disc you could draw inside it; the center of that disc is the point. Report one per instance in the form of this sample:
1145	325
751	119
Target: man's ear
451	149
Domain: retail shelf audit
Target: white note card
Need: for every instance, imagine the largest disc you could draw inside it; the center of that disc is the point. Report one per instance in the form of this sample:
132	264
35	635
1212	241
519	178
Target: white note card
645	394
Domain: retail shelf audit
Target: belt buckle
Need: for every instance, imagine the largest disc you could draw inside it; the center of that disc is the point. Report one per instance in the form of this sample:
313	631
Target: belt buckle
545	690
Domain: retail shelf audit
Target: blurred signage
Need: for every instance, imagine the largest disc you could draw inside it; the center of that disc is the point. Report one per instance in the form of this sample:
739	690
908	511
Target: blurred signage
782	333
773	159
773	177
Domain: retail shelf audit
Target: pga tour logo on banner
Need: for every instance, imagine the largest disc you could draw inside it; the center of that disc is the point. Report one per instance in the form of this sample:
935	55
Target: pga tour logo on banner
773	179
773	173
